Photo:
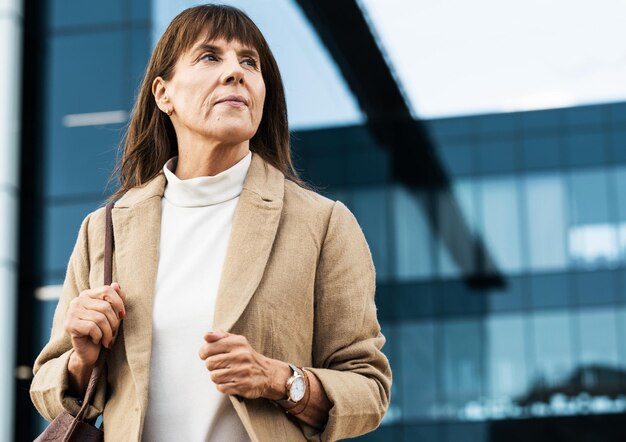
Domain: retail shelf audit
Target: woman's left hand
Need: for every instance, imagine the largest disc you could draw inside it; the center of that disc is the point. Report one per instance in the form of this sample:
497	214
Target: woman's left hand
236	368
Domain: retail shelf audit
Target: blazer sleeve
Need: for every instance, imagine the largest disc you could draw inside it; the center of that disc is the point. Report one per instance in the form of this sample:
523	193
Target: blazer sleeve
48	390
347	340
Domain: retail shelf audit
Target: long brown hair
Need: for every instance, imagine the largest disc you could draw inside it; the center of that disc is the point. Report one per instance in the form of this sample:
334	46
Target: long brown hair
150	139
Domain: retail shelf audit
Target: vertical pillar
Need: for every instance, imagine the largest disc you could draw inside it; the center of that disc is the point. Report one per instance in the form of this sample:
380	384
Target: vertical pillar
11	24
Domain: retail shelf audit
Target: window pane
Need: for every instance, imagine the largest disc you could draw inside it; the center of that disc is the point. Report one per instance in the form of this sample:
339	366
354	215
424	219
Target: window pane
598	338
552	348
619	187
412	235
546	221
419	369
500	223
592	237
370	208
462	364
463	192
506	357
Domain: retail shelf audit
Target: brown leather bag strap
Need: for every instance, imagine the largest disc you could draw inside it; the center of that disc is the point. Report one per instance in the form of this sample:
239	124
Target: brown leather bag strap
109	244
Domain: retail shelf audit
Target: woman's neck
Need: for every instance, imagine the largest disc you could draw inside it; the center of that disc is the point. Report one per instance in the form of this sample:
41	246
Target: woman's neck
208	159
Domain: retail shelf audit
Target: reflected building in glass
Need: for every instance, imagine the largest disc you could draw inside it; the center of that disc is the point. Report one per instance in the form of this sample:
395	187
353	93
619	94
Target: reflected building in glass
499	239
541	347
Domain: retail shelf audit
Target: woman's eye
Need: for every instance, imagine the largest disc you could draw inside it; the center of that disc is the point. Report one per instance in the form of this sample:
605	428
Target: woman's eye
208	56
252	62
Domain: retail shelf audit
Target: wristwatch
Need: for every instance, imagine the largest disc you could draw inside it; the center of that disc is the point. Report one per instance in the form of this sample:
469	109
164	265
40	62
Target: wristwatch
296	387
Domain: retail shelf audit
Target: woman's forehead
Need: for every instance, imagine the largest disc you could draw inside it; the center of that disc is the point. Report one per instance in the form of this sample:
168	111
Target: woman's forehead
219	42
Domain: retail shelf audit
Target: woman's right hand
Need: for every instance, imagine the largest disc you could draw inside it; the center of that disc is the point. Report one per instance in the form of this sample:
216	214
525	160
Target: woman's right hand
92	321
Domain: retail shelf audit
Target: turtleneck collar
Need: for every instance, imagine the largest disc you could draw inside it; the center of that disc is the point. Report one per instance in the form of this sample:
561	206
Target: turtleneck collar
205	190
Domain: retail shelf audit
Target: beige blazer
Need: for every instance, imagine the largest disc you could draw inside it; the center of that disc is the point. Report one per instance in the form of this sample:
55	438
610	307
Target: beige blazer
298	282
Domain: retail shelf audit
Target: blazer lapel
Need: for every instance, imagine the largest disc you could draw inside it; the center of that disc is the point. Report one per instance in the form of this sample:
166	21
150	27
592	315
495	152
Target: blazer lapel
137	227
253	232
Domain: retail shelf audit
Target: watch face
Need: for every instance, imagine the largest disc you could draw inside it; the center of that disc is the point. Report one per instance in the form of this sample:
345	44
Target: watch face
297	389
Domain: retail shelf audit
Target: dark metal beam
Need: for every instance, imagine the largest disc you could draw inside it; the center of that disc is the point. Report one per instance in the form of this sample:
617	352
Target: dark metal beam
345	32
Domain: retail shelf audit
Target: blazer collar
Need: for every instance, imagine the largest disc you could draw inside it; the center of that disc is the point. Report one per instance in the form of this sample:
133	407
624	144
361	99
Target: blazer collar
137	225
262	178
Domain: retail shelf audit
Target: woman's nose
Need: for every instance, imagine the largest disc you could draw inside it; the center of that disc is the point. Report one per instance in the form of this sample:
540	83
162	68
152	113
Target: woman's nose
233	72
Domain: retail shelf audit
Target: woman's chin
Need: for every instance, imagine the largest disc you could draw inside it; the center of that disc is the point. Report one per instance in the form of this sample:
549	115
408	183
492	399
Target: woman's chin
233	134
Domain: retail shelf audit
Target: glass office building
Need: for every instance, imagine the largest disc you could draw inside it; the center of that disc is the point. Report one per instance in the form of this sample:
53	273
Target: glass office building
499	238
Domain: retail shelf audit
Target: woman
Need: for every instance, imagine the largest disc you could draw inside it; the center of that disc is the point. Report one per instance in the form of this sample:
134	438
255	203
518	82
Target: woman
247	299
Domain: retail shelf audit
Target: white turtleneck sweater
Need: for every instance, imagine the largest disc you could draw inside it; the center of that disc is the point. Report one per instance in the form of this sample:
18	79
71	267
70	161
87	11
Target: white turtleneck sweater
196	221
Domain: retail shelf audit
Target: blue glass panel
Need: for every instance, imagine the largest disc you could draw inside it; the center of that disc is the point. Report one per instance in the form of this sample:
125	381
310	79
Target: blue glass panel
593	288
550	291
430	432
617	143
370	208
497	157
467	432
620	325
593	239
501	230
80	154
618	112
541	151
444	128
457	158
463	196
511	297
497	124
67	13
140	54
598	340
462	367
140	10
552	348
418	349
586	149
417	300
586	115
618	183
546	221
458	299
505	345
61	226
412	235
541	120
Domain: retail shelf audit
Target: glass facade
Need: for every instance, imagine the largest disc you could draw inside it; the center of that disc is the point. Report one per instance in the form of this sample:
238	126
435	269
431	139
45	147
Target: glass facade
519	332
542	191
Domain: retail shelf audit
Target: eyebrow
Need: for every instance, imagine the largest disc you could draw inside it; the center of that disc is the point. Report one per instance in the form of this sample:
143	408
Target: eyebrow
246	52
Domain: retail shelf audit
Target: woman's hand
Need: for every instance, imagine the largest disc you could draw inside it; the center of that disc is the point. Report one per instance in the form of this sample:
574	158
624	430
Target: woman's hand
93	319
236	368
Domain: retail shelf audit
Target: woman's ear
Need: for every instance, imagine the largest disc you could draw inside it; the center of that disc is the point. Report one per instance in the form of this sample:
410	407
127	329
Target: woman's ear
158	89
160	95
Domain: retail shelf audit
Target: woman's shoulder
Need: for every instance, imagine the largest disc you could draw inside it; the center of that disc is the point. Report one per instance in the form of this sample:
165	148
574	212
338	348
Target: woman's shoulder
310	206
306	200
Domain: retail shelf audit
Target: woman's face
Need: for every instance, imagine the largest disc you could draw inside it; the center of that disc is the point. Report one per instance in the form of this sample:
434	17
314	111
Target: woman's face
203	78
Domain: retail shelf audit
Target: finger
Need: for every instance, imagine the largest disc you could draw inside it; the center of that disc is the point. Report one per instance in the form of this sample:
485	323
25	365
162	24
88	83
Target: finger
229	388
214	348
116	286
215	335
100	320
80	328
107	293
105	308
222	376
217	362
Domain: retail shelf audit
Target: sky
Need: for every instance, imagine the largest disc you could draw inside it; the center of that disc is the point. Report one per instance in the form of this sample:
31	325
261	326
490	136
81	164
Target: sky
460	57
